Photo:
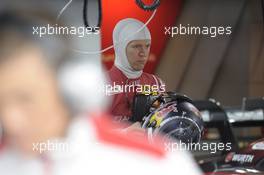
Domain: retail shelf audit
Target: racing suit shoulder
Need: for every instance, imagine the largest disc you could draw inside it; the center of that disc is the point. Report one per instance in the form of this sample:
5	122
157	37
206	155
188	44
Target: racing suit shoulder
152	77
116	75
154	80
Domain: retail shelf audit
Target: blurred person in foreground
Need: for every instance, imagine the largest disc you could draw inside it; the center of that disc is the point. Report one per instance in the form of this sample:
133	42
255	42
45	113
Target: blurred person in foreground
51	113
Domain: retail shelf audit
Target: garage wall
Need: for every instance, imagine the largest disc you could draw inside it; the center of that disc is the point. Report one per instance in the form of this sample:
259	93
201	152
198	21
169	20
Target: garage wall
226	68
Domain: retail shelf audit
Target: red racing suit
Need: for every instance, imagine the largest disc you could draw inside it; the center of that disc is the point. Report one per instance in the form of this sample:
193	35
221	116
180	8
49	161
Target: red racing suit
122	99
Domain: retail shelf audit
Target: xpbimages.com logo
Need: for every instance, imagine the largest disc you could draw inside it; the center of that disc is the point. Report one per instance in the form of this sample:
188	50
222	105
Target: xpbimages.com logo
64	30
211	31
204	146
50	146
57	146
134	88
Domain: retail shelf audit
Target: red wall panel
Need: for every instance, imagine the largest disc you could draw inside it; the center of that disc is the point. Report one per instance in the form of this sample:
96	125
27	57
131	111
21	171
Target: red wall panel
115	10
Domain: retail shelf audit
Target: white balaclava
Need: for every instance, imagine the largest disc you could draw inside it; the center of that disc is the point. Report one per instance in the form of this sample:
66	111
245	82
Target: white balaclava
125	31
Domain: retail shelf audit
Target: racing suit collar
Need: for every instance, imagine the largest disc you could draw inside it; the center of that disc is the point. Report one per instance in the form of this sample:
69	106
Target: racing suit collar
120	73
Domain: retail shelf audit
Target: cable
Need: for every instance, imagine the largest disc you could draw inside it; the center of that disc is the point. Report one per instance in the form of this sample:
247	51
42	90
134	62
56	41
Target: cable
145	7
85	10
63	9
262	5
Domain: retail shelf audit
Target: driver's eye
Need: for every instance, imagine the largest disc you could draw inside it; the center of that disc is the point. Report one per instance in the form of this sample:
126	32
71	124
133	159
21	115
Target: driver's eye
136	46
